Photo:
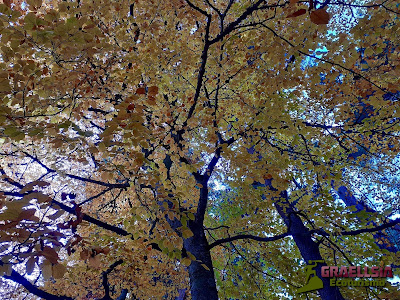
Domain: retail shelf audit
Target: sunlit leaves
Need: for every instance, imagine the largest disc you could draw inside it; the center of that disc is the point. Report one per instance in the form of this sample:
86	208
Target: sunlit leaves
95	90
187	233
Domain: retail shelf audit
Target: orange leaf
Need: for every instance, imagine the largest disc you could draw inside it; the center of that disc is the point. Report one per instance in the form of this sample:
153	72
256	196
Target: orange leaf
84	254
297	13
320	16
141	91
7	2
392	87
153	90
267	176
151	100
94	261
26	214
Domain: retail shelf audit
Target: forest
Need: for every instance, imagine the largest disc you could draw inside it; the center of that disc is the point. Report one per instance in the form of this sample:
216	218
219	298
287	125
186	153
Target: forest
199	149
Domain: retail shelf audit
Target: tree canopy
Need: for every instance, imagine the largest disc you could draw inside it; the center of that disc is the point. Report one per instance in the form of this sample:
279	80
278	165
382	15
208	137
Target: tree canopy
197	149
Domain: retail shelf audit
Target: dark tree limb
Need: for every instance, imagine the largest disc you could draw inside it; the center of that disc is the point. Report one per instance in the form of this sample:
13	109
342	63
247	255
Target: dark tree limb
203	12
95	196
249	237
33	289
105	279
302	236
80	178
123	295
86	217
248	12
202	70
359	231
92	220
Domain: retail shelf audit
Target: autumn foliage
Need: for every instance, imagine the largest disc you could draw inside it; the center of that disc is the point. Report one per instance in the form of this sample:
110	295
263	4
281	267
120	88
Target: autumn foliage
189	149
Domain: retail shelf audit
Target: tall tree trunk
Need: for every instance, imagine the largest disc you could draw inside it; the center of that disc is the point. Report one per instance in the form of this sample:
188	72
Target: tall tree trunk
201	272
202	281
308	248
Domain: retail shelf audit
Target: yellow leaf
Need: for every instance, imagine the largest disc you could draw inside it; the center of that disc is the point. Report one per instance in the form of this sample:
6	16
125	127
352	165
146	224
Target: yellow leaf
187	233
186	261
5	86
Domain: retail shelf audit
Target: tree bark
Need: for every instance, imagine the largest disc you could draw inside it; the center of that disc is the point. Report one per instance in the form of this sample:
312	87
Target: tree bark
202	281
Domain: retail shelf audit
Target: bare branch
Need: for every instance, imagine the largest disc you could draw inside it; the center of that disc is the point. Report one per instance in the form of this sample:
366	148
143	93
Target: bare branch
250	237
72	176
324	60
373	229
105	279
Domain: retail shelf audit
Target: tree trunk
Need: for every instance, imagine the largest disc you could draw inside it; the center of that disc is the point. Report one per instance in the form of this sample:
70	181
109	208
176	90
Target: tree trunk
202	281
201	272
308	248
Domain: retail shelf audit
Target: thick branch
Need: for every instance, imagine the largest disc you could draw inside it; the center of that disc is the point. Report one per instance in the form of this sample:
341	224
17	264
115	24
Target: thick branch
123	295
92	220
202	70
214	160
85	217
197	8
